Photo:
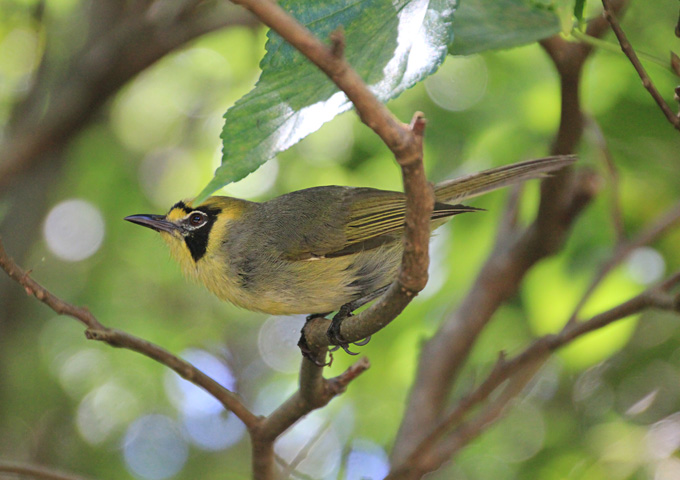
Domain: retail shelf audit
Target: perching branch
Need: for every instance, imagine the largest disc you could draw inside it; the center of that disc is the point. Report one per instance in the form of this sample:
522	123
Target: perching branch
116	338
627	48
405	141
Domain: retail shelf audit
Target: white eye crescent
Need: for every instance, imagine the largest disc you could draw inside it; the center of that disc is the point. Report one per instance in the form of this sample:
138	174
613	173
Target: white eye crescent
197	219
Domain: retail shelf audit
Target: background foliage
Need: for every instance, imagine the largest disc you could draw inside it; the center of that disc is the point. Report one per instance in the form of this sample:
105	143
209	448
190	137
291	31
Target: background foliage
606	408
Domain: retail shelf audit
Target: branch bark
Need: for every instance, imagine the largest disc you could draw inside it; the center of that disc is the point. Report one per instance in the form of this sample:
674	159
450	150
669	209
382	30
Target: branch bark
116	338
610	14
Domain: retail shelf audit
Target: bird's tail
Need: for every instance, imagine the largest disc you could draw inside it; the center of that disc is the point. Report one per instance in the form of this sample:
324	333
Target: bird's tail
452	191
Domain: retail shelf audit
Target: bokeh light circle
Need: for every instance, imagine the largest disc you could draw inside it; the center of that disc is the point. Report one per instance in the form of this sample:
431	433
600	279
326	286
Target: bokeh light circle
190	399
74	230
277	341
214	431
316	435
366	461
459	83
646	265
154	447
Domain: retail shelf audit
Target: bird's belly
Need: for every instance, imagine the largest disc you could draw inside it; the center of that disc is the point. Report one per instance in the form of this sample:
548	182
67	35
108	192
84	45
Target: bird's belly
311	286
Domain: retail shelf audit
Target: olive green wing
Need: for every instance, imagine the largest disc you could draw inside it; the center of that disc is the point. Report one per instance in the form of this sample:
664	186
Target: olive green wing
376	214
326	222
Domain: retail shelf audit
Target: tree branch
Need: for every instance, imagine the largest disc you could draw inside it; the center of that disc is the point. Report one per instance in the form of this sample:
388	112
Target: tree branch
430	454
314	392
405	141
116	338
626	47
660	226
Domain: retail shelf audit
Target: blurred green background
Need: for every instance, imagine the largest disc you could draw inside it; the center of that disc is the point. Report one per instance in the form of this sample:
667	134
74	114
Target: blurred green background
608	407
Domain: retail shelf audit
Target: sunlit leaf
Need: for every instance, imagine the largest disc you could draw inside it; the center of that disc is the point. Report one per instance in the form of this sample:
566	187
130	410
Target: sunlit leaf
392	45
496	24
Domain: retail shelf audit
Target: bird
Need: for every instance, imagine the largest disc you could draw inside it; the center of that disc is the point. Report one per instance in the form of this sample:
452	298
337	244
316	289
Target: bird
314	251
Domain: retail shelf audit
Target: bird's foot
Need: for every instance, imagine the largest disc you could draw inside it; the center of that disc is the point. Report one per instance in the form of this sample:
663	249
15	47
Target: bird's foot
306	351
333	332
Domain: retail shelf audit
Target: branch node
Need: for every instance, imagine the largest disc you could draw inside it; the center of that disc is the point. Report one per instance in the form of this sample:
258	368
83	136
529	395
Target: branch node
337	38
418	123
339	384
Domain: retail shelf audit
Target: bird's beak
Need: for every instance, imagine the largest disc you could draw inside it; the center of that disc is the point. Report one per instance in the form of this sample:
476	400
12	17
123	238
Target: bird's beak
156	222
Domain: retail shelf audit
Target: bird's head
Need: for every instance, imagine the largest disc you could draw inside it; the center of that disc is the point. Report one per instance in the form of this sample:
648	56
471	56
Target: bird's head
192	231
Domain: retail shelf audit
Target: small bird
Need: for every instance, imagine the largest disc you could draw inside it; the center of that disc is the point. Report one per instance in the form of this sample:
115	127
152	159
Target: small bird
316	250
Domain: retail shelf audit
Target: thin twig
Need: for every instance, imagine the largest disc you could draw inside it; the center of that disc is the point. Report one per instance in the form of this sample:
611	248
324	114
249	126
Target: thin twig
116	338
14	470
304	451
660	226
301	403
632	56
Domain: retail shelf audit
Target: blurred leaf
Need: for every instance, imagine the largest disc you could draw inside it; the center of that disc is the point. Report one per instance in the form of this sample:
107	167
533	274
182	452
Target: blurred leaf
499	24
392	45
579	5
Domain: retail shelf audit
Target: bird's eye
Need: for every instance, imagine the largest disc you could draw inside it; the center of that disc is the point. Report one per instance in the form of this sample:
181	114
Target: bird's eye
197	219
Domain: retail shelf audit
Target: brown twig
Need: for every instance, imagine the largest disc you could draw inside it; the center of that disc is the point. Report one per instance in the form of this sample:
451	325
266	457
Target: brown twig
430	453
660	226
628	50
116	338
413	273
14	470
314	392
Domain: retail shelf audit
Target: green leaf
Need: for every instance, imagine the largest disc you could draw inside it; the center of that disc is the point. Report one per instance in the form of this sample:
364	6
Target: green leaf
498	24
391	44
579	5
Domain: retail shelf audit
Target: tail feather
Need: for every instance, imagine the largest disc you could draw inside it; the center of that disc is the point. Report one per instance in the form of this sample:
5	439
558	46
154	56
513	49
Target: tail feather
479	183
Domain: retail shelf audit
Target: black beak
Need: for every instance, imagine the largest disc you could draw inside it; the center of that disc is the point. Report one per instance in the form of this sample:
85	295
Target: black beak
155	222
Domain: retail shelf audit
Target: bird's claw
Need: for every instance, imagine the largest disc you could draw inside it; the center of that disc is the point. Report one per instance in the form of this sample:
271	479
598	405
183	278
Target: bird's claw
335	337
309	354
363	342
